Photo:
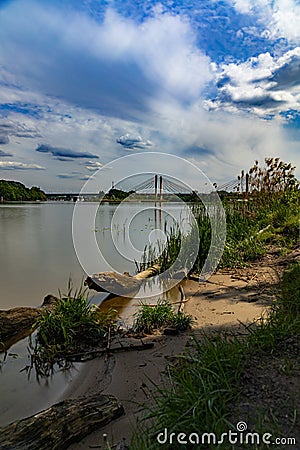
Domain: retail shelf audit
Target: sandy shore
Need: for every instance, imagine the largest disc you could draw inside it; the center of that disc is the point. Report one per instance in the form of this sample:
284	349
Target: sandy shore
229	299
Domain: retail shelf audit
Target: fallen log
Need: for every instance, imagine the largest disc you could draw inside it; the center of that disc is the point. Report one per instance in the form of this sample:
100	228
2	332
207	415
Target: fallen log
62	424
113	283
118	284
16	323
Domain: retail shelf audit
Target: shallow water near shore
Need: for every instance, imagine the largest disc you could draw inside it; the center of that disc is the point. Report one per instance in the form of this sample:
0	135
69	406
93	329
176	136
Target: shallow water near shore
37	258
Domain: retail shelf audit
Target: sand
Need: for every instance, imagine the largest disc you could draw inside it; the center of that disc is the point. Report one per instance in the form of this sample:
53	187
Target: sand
230	299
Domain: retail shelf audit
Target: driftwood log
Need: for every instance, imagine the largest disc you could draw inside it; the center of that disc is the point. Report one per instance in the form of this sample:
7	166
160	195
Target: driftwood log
118	284
62	424
17	323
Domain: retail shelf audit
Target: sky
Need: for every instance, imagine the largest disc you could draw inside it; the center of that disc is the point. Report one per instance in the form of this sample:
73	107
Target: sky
85	82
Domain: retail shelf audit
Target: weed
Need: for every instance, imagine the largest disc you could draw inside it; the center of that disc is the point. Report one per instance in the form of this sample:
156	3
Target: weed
73	325
150	318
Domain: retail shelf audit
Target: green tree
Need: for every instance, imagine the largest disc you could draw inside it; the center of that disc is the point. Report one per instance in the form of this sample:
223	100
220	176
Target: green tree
14	191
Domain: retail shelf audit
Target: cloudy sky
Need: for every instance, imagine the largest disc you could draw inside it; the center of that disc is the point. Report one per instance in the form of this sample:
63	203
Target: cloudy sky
85	82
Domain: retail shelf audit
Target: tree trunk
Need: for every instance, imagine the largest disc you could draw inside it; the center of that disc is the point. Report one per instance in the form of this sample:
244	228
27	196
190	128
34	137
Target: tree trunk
62	424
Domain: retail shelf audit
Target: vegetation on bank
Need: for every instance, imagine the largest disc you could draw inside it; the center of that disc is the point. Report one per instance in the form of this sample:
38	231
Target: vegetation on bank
72	326
75	326
208	380
151	318
116	195
267	215
14	191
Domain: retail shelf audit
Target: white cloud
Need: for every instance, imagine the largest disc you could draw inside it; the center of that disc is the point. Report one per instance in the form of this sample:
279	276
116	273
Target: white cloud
13	165
148	78
264	84
280	17
122	63
227	142
133	142
93	165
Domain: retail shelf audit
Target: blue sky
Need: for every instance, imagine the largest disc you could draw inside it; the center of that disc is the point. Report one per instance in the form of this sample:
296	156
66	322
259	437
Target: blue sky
85	82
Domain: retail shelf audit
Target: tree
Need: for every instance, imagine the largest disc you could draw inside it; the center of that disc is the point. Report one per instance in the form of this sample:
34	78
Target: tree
13	191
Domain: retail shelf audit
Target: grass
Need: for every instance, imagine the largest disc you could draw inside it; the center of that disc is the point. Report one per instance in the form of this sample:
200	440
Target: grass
203	384
73	324
165	255
251	227
179	252
257	225
282	321
206	381
151	318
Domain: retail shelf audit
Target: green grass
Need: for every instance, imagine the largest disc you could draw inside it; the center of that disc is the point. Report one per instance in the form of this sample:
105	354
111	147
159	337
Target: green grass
73	324
151	318
251	227
278	217
283	318
165	255
178	253
205	383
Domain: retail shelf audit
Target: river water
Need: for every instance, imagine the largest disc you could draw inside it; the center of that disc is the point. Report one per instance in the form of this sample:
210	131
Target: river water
38	257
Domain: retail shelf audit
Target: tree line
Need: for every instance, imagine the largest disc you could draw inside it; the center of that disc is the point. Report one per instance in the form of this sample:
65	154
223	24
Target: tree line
14	191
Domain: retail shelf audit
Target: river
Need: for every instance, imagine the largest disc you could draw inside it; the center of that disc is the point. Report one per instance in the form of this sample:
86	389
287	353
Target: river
38	257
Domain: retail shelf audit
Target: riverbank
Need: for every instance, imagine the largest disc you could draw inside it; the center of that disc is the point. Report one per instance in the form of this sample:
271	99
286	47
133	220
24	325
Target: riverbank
231	299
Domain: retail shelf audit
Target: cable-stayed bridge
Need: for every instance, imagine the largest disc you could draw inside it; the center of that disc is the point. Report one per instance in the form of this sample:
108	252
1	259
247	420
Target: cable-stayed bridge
158	186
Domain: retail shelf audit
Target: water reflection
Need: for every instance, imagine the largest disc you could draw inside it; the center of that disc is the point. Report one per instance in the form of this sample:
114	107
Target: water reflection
37	257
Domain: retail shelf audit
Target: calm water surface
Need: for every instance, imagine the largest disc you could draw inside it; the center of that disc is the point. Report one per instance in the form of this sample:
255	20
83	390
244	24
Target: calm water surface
37	258
36	252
